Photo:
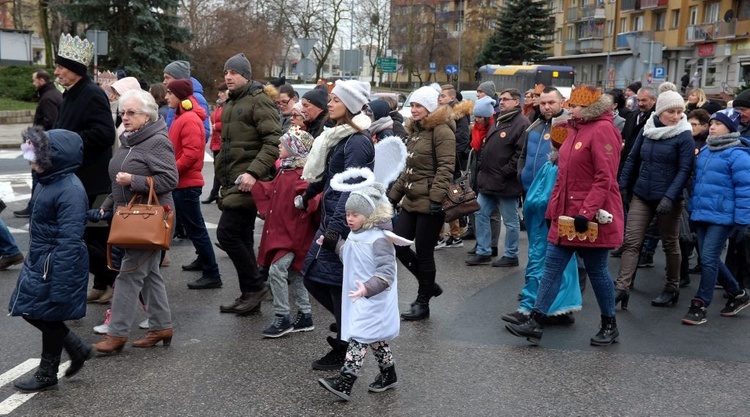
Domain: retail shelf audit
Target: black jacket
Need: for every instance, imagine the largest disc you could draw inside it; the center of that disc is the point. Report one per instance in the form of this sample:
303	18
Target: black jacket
498	159
398	124
85	110
630	132
315	127
48	108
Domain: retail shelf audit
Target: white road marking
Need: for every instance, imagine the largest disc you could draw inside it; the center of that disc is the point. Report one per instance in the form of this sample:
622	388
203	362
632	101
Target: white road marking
209	157
17	399
6	154
212	226
18	371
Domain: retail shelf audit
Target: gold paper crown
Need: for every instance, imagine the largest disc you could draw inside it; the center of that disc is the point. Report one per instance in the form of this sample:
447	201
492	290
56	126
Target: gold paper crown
539	88
558	134
75	49
584	95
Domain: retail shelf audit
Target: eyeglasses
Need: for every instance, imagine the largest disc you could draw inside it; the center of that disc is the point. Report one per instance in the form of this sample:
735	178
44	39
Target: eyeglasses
282	103
295	115
129	113
507	98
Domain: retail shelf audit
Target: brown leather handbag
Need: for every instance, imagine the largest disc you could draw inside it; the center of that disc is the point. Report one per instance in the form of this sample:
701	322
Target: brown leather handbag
460	200
141	226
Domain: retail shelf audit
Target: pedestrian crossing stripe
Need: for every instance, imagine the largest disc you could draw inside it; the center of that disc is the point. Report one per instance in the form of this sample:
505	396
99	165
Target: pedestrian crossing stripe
5	154
16	400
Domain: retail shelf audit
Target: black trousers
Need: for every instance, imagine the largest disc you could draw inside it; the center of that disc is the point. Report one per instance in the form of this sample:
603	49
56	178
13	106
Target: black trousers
424	230
329	296
235	234
738	261
53	333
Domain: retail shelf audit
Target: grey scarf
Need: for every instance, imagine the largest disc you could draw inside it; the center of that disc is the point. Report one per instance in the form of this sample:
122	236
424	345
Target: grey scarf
717	143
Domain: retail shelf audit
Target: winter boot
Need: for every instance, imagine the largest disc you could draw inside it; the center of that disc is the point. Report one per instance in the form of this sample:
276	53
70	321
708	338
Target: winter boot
78	352
420	309
608	332
385	380
341	384
531	329
44	378
333	359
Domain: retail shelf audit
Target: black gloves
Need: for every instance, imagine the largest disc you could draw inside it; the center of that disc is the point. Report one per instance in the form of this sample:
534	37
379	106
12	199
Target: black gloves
581	224
435	208
665	206
330	239
94	215
549	223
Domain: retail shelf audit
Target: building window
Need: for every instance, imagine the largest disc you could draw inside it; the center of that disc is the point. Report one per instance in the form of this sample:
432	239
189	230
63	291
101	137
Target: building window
560	6
710	76
558	35
675	19
660	20
637	23
571	34
743	12
693	15
712	13
610	27
623	24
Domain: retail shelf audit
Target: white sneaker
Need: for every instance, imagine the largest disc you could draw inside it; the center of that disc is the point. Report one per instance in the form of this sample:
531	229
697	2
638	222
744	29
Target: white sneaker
144	324
440	244
101	329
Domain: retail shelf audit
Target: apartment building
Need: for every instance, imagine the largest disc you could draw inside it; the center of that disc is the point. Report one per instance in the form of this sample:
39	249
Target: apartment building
708	39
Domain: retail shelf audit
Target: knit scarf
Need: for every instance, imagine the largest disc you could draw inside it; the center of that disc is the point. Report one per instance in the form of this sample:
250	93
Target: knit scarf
331	136
651	131
507	116
381	124
717	143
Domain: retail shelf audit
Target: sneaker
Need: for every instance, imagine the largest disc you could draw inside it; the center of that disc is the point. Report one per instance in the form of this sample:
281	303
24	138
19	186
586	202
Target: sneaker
646	260
143	325
696	314
695	270
101	329
303	322
479	260
281	325
440	244
8	261
505	262
22	213
735	304
515	317
454	243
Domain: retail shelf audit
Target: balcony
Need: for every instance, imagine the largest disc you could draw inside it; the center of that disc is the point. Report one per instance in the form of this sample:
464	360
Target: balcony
589	32
593	12
590	46
712	31
571	47
572	14
654	4
630	5
621	42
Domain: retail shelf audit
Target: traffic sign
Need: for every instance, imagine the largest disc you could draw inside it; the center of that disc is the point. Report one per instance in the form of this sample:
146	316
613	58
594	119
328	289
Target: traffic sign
433	67
451	69
660	72
387	65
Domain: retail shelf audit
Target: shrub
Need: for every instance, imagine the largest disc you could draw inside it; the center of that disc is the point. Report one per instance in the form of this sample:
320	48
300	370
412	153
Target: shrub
16	83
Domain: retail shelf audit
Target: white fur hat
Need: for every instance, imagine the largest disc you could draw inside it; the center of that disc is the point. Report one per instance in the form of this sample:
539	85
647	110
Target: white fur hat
427	97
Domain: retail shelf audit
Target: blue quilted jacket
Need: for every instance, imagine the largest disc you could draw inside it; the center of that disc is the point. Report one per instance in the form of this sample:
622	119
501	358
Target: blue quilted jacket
52	283
722	186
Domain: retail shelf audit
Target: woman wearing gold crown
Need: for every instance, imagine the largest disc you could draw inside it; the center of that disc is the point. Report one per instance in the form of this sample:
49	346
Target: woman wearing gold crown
586	186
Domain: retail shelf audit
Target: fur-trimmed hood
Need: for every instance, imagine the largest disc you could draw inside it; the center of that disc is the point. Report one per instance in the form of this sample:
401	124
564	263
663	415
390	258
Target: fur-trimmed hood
462	109
597	109
271	91
57	152
443	115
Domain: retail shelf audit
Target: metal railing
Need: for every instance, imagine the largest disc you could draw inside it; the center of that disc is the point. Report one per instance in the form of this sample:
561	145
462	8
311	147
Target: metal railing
711	31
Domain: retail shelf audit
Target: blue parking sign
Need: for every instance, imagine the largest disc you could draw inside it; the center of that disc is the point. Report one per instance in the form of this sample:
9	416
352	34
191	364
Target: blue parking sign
660	72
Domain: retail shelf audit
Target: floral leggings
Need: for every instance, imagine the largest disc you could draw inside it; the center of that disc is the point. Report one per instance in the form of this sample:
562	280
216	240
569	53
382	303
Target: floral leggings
355	355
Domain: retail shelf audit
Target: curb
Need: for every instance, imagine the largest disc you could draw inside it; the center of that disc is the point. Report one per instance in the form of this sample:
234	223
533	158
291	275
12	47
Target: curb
10	146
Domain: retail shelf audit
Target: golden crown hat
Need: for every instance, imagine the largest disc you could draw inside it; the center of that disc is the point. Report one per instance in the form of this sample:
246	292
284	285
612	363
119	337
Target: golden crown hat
76	49
585	95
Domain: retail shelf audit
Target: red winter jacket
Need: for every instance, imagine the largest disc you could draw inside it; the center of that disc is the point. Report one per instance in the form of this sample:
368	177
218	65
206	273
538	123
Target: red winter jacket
587	177
286	228
479	134
187	135
215	119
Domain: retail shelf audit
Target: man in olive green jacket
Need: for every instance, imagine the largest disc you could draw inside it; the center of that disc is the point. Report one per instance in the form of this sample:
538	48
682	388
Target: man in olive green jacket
249	148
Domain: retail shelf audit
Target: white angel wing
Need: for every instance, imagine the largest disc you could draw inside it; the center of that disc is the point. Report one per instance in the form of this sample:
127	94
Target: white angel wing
397	240
390	159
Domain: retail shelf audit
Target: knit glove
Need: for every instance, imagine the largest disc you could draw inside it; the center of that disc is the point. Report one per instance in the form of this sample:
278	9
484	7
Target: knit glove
94	215
581	224
435	208
330	239
300	202
665	206
738	233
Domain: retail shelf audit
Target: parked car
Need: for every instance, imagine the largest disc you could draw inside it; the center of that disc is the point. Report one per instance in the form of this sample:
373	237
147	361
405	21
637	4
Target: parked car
469	95
399	97
301	89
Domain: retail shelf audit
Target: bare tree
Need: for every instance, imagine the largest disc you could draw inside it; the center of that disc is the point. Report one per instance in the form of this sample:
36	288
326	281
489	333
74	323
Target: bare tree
374	26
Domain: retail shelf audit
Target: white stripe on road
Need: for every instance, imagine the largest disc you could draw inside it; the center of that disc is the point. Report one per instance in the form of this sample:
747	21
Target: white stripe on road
17	399
5	154
18	371
208	157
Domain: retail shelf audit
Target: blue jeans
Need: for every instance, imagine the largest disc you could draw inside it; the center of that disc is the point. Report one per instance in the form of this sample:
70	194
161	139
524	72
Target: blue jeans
8	246
711	240
508	207
188	210
595	260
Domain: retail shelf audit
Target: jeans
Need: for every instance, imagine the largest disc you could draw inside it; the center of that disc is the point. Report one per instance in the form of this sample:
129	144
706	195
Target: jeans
595	260
8	245
711	240
188	209
280	278
235	234
509	212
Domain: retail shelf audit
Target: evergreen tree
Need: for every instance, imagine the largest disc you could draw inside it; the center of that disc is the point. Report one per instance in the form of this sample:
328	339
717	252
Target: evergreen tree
523	32
142	34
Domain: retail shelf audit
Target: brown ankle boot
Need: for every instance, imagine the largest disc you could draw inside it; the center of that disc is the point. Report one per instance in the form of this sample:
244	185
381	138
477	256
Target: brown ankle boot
154	337
110	344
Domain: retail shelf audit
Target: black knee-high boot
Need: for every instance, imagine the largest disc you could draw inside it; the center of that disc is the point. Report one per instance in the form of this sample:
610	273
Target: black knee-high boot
420	309
78	351
45	376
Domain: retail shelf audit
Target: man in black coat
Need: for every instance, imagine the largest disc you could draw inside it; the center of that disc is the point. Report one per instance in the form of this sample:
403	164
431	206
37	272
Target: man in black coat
85	110
50	100
646	99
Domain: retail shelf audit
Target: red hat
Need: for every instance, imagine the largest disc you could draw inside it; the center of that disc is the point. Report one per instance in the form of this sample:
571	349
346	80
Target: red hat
182	88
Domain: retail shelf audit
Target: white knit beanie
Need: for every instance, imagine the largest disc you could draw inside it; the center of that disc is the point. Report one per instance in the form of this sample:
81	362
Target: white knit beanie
427	97
354	94
668	100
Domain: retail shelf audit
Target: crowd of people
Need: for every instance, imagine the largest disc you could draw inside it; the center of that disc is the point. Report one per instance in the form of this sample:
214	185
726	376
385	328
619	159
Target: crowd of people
596	175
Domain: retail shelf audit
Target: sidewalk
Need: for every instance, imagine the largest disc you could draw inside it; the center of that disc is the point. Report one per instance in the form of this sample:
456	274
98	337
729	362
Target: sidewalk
10	136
